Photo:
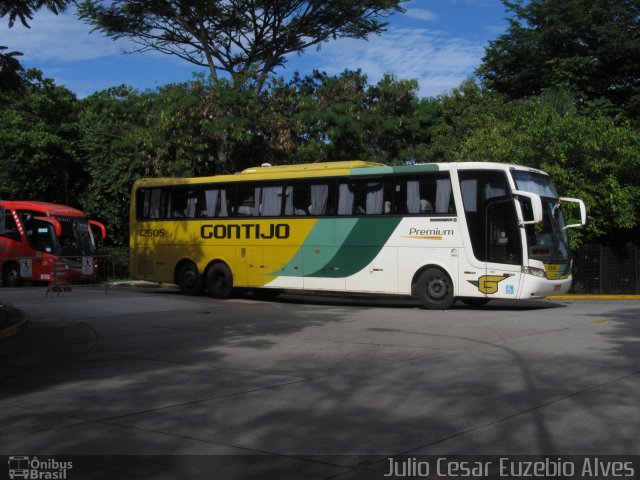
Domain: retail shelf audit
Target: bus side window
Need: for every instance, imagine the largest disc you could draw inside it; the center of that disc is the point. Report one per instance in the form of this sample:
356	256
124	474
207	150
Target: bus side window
10	228
321	198
186	202
345	199
426	195
296	200
157	204
217	201
269	200
365	196
152	203
247	200
309	199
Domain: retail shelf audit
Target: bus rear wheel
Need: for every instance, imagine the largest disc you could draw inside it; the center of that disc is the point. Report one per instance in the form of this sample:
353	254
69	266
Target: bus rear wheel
434	289
220	281
189	279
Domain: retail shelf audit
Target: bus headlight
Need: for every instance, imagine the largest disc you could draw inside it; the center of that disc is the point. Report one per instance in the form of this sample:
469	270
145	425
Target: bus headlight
536	272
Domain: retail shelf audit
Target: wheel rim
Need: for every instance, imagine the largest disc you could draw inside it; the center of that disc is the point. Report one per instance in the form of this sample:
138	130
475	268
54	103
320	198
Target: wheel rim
189	278
219	282
437	288
12	277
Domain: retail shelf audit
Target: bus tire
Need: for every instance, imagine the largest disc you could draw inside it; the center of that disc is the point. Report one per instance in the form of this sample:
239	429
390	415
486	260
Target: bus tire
474	302
220	281
434	289
11	275
189	279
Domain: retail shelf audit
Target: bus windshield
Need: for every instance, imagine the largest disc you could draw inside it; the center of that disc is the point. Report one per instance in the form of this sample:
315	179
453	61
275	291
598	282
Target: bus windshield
76	238
548	240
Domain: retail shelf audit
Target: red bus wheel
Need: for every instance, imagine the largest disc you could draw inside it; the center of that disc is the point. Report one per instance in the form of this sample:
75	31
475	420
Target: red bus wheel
11	275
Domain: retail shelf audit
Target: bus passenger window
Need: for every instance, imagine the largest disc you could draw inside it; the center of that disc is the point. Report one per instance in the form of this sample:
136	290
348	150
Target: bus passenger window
10	229
368	197
426	195
269	201
345	199
186	203
309	199
296	202
216	203
321	199
152	203
247	200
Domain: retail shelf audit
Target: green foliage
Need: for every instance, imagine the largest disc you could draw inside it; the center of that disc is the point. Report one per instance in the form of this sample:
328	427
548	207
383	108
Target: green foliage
10	70
345	117
112	124
23	10
206	128
88	153
587	46
38	143
593	158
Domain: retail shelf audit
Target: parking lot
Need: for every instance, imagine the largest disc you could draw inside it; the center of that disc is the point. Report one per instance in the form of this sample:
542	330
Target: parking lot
322	382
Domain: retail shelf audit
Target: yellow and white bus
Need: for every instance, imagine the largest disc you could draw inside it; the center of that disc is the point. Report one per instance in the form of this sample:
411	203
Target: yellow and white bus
438	232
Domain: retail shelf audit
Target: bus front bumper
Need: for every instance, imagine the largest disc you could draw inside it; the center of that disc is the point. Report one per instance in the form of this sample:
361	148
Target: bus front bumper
539	287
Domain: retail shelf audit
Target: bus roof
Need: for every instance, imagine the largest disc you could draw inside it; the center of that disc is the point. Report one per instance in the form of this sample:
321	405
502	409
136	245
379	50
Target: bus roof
43	207
329	169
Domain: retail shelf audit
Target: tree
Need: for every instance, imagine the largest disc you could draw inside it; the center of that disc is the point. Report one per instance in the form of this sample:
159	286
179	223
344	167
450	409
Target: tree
23	10
10	70
112	125
590	157
591	47
38	141
236	36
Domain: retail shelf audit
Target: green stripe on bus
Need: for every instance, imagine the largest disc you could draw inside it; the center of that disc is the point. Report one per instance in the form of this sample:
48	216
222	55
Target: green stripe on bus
398	170
359	248
319	247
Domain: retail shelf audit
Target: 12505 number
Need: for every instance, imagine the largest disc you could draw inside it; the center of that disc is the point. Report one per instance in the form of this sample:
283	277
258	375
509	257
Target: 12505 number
152	233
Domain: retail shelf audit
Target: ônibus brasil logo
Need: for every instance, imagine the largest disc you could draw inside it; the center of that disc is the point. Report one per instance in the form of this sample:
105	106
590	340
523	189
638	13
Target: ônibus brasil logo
33	468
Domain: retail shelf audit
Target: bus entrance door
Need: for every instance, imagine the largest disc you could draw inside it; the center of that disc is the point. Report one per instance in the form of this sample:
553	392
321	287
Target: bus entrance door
504	251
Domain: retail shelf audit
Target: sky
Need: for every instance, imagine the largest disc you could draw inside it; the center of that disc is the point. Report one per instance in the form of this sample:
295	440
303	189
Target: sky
438	42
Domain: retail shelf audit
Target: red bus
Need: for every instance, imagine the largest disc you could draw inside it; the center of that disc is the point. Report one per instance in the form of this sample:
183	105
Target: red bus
36	235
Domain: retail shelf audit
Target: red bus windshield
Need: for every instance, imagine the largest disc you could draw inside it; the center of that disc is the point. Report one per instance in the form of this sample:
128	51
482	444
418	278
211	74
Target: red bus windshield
75	238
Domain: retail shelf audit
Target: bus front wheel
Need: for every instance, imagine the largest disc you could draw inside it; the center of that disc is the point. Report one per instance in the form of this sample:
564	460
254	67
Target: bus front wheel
11	275
189	279
434	289
220	281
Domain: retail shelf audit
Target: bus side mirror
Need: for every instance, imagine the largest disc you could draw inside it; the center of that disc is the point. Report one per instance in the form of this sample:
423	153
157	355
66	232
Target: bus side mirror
2	222
536	206
583	211
100	227
57	228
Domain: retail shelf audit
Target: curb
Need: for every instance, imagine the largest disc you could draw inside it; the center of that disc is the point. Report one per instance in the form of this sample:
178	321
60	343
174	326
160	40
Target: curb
593	297
16	328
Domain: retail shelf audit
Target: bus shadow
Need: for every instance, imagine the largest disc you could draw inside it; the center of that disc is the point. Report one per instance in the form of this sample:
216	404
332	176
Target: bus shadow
364	300
401	302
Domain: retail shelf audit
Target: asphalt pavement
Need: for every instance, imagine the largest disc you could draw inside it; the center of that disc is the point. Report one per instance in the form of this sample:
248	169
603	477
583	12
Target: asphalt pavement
330	385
